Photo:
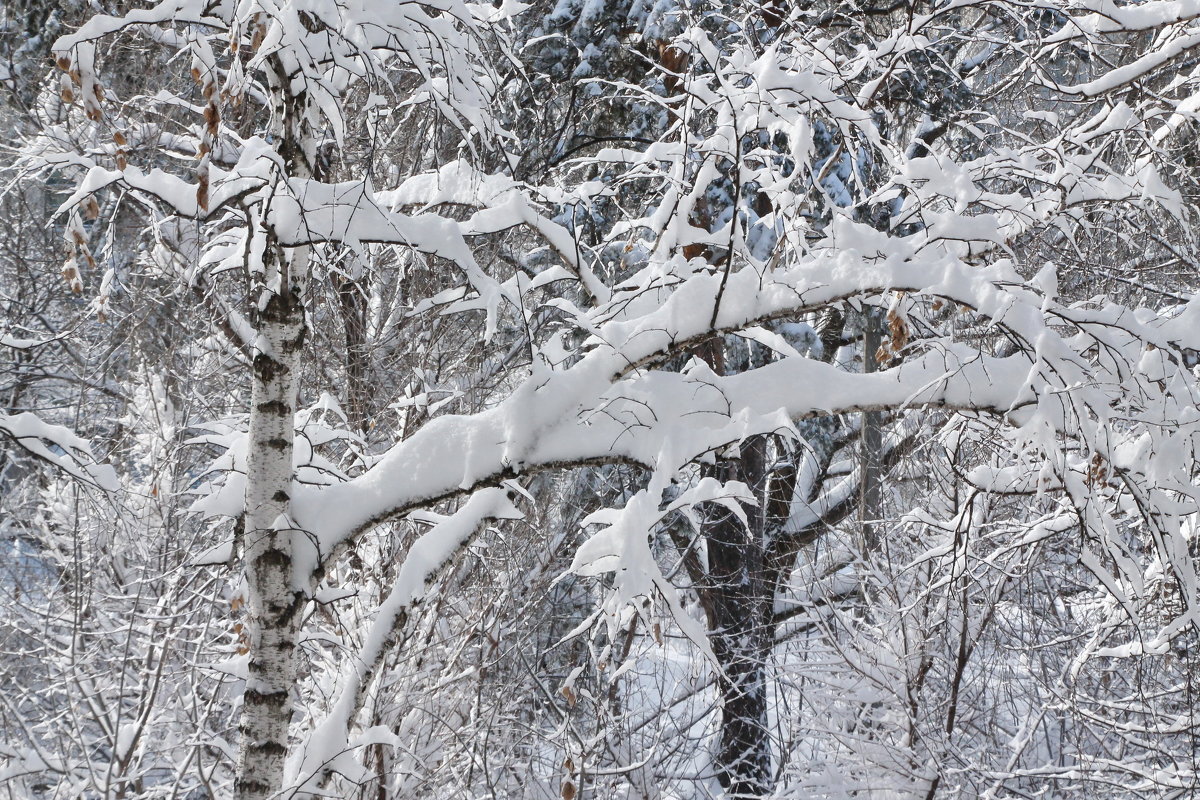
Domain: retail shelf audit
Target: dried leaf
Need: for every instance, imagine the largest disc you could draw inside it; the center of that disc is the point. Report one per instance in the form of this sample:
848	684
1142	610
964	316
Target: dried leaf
70	273
260	32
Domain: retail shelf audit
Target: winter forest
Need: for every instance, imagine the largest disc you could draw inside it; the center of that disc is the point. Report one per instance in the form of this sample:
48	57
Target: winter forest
599	399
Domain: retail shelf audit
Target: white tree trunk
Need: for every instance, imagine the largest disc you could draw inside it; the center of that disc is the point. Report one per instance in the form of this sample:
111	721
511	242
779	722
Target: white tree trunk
275	600
276	594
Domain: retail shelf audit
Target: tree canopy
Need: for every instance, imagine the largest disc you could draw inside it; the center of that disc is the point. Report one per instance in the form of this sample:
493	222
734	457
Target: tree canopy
599	399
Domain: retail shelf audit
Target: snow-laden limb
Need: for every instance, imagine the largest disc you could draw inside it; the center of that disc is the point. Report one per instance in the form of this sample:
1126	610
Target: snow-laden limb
330	747
324	48
621	547
60	447
1102	18
612	406
304	211
1128	73
498	203
26	343
659	420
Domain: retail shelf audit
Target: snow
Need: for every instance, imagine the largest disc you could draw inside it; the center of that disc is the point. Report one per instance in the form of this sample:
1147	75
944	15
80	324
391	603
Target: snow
1072	414
58	446
423	561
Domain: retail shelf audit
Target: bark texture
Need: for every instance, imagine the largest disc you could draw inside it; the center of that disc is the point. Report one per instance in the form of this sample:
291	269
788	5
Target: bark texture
276	594
736	594
274	601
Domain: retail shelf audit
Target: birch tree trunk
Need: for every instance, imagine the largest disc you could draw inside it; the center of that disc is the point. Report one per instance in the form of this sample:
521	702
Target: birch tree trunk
275	593
274	601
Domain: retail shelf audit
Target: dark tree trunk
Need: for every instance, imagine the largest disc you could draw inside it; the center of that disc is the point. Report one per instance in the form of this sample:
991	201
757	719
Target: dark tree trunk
871	490
357	355
737	598
740	639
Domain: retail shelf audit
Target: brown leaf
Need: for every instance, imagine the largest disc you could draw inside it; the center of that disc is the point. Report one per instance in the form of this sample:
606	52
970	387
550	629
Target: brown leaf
212	119
202	194
260	31
672	59
898	327
774	12
70	273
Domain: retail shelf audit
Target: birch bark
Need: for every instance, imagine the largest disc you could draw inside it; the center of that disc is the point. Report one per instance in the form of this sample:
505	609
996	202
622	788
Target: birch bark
276	593
273	600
